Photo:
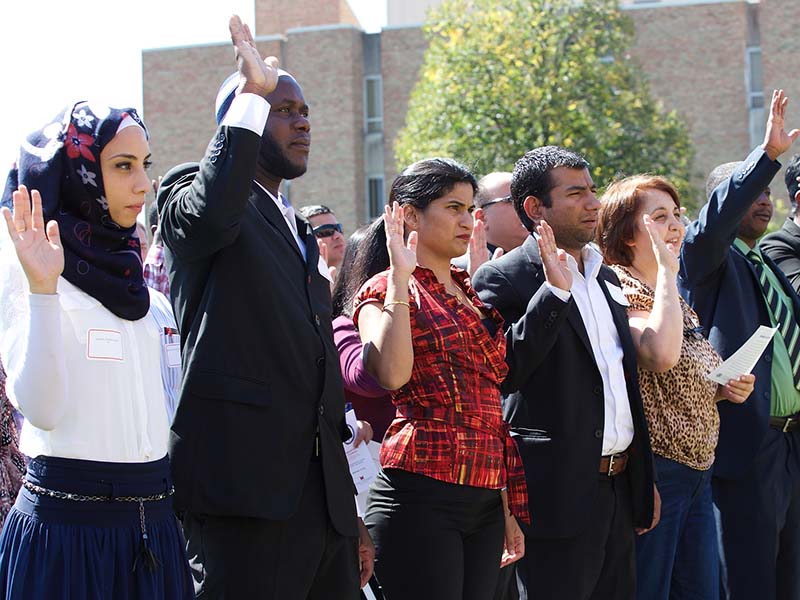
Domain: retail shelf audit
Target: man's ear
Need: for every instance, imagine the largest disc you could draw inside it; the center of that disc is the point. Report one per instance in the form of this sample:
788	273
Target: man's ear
796	200
478	215
533	208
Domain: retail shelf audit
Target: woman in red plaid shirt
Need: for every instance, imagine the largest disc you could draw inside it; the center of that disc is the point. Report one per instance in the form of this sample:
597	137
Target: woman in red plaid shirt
443	512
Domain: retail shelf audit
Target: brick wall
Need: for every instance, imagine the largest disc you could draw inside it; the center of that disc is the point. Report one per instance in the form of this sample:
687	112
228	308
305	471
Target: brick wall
328	65
694	58
278	16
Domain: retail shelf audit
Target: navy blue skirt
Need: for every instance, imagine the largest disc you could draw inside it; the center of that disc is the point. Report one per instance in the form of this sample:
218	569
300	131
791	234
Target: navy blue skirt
58	549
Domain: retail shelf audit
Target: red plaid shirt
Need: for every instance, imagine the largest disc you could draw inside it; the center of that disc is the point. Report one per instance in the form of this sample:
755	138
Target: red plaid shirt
155	272
449	423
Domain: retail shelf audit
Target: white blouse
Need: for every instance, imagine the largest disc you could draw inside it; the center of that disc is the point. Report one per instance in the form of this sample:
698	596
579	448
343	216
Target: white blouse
88	382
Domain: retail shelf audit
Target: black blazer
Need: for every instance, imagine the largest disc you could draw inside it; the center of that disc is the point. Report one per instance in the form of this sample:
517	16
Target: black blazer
554	384
783	247
260	369
721	285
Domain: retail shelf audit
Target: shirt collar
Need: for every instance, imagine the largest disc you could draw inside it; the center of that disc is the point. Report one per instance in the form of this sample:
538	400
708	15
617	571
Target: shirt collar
592	261
281	202
742	247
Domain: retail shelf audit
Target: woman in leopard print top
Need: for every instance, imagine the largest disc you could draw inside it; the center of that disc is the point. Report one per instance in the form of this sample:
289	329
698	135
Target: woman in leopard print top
640	232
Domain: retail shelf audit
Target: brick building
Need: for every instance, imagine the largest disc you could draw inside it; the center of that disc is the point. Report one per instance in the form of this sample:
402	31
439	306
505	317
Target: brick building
714	61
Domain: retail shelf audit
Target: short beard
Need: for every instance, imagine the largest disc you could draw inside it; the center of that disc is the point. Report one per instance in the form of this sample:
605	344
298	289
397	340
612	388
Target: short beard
273	161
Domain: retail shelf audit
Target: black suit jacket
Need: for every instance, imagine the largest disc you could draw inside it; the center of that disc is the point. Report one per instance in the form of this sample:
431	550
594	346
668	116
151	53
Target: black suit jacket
783	247
554	384
260	369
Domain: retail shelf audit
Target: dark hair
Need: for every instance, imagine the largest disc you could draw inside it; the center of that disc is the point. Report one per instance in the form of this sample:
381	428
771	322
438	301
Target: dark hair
365	255
616	221
426	180
152	216
790	177
719	174
314	210
531	176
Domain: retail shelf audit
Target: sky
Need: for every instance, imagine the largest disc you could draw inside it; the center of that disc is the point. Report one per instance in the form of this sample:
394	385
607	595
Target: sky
53	52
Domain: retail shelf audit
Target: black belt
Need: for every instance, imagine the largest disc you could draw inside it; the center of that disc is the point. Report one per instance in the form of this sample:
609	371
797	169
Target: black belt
785	424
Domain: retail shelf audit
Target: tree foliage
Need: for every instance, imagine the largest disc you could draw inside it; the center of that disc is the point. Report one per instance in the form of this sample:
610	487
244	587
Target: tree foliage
503	76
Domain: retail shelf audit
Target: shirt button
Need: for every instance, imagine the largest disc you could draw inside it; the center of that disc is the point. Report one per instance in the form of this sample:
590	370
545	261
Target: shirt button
553	314
598	389
767	357
321	361
598	433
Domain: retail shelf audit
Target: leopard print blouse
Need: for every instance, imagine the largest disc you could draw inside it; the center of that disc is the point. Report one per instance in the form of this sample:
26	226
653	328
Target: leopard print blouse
679	404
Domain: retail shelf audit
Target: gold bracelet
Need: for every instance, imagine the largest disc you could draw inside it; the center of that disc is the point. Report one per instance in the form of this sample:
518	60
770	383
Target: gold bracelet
388	304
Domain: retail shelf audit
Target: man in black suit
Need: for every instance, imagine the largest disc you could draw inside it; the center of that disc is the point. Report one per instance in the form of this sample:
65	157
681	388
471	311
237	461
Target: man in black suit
572	375
783	246
256	445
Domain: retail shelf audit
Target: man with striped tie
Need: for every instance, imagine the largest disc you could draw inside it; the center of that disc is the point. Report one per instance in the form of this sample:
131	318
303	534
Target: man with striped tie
734	288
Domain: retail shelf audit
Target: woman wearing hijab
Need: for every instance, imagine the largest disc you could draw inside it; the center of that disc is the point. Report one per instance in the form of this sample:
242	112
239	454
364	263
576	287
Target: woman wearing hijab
94	518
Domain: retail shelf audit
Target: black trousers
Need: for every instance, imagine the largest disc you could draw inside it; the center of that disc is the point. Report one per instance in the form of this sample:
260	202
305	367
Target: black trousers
303	558
434	540
759	518
597	564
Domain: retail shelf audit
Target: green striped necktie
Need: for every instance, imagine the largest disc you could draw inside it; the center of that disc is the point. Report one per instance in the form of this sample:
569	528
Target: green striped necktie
781	316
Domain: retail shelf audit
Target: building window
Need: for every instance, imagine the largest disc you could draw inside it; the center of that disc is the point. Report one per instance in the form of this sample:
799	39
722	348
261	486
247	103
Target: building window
375	197
373	104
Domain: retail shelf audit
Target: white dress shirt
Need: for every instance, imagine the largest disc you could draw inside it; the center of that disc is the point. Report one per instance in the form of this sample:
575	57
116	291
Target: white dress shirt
606	346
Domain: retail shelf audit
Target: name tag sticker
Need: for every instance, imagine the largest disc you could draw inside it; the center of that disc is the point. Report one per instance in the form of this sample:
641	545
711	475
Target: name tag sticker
173	354
104	344
616	294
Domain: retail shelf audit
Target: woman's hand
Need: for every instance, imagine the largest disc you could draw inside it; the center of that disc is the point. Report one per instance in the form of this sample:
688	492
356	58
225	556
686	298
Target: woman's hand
364	433
666	254
39	251
402	254
513	543
737	391
554	259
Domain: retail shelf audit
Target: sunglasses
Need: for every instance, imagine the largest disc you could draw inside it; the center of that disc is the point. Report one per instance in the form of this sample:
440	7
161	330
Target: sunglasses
496	201
327	230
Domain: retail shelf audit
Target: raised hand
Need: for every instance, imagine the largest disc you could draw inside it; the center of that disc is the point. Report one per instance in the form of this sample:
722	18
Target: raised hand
38	248
666	253
257	75
402	254
776	140
477	253
554	259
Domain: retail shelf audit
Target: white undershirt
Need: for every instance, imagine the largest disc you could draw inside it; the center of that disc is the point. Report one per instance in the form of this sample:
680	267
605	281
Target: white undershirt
606	346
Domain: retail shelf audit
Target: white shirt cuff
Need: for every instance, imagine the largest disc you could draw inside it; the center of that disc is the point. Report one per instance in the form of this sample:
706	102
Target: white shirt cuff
359	512
562	295
248	111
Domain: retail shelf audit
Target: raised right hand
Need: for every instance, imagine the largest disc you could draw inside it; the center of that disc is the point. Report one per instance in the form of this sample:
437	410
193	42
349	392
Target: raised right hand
402	254
40	252
554	259
666	254
256	75
776	140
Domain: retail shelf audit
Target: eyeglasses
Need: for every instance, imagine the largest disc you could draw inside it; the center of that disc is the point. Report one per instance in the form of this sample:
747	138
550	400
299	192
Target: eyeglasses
327	230
496	201
697	333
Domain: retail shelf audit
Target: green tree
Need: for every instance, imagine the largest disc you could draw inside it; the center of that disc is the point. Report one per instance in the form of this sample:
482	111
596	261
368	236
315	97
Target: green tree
503	76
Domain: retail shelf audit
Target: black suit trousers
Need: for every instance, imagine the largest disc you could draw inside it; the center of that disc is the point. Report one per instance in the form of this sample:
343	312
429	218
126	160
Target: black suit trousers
302	558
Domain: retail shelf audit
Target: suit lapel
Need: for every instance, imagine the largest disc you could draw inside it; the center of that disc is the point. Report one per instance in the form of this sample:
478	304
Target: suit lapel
265	205
531	248
312	250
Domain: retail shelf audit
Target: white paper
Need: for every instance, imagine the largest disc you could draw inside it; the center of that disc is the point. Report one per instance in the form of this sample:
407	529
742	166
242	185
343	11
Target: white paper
173	353
745	358
362	466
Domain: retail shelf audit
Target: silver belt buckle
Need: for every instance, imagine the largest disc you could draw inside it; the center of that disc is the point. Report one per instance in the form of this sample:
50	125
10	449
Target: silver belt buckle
610	466
786	424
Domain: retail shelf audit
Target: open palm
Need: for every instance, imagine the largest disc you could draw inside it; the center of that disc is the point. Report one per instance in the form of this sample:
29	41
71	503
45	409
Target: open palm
402	254
38	248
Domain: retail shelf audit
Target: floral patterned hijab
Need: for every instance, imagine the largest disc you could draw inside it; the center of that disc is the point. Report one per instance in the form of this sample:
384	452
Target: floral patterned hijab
62	161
